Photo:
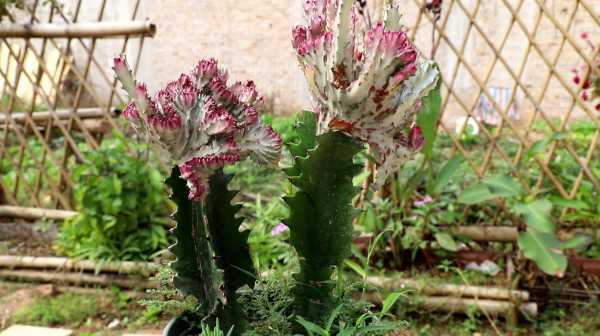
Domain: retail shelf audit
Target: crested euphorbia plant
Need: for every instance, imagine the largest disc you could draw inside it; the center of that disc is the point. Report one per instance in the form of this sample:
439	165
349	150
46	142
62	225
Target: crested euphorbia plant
370	86
202	124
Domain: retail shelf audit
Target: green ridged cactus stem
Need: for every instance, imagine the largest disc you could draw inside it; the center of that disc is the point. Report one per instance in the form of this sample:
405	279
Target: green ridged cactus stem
368	83
321	212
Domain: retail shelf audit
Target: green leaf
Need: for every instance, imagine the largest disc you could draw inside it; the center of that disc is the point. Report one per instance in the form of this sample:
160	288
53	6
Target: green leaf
545	250
312	328
572	204
537	215
449	171
577	243
356	268
503	186
369	219
475	194
446	241
389	302
540	146
427	119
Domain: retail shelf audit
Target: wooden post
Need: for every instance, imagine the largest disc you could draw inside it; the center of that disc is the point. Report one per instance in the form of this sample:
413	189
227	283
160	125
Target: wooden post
34	213
395	284
60	263
78	30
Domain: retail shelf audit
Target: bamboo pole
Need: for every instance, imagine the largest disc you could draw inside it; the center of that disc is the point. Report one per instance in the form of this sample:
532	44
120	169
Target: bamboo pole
125	267
510	234
492	307
460	305
77	279
487	233
44	116
34	213
78	30
394	284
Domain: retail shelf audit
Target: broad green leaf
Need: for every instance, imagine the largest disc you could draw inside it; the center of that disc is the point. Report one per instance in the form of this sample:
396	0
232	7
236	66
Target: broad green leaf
477	193
449	171
389	302
427	119
577	243
356	268
545	250
503	186
572	204
537	215
359	179
540	146
369	219
446	241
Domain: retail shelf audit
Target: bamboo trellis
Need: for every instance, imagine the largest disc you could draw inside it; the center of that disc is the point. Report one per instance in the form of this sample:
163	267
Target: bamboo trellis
529	47
506	65
58	92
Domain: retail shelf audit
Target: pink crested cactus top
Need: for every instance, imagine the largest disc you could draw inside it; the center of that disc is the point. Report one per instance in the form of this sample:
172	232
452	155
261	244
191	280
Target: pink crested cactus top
366	77
200	122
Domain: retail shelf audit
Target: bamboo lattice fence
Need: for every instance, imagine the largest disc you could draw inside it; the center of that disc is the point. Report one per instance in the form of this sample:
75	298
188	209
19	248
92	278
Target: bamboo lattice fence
58	91
507	65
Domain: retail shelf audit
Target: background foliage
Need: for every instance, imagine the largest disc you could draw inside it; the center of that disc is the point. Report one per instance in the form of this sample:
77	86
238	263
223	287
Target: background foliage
122	205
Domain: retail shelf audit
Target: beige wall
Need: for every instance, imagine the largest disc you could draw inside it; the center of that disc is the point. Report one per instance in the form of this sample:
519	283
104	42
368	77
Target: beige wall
250	38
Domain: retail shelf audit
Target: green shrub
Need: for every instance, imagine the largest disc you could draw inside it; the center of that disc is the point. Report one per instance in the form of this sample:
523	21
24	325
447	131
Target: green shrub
122	205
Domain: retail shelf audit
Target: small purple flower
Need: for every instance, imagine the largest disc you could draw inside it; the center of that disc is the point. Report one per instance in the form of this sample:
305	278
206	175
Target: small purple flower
426	200
279	229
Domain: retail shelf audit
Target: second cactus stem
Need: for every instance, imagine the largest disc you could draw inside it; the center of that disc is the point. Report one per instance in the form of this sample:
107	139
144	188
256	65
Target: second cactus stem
213	257
321	212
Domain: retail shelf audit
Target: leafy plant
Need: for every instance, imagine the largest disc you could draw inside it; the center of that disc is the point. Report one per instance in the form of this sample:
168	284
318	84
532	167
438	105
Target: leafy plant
207	330
366	324
5	4
165	299
269	305
121	204
538	241
269	248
